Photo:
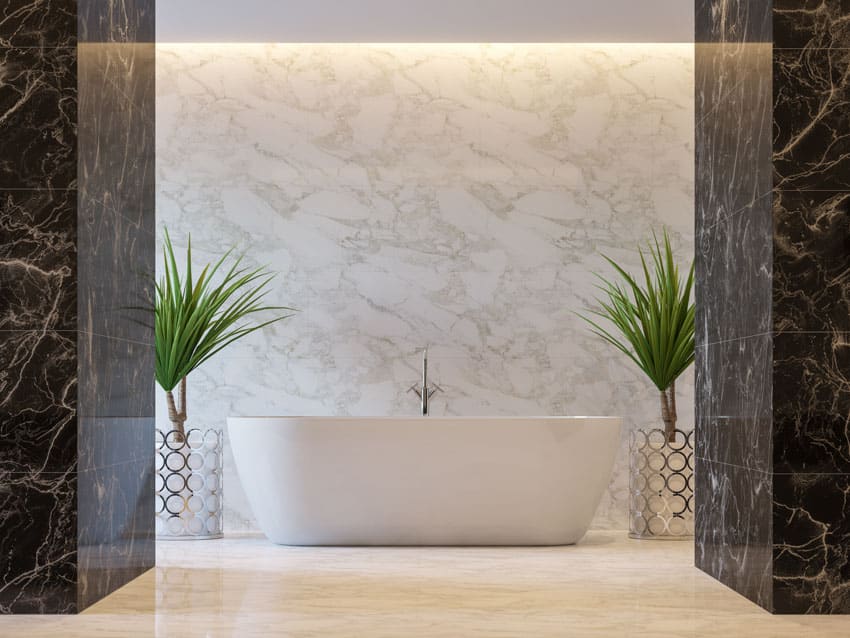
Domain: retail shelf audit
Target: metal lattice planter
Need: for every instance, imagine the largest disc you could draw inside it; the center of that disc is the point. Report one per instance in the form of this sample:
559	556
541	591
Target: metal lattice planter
189	485
661	485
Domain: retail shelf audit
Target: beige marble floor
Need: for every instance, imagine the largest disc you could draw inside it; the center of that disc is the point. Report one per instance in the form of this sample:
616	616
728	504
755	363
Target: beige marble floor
605	586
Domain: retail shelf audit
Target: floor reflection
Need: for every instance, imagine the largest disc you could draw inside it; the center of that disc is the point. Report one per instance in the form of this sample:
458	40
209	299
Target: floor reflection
244	586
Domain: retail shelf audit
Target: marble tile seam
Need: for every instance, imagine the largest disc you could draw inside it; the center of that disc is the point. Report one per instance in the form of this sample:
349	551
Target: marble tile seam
757	335
728	216
7	476
774	333
701	118
117	214
48	189
4	47
748	468
413	356
133	461
78	331
110	337
72	474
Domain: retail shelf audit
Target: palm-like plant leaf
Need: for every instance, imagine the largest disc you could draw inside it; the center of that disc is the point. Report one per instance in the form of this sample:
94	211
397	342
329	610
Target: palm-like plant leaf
651	322
195	319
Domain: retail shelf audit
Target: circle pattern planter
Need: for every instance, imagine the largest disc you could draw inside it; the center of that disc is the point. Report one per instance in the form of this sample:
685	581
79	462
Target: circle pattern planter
661	485
189	485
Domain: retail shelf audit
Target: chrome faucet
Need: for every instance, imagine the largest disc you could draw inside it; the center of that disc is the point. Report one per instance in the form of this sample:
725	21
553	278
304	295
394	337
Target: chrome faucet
425	392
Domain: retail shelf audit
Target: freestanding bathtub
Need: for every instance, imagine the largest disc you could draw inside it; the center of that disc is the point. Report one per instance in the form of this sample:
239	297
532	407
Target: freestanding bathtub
424	480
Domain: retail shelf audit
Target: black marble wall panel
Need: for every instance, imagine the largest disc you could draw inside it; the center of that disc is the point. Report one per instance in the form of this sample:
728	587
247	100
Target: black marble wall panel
38	319
811	306
811	543
733	21
38	124
117	541
812	241
115	277
38	23
733	528
811	119
794	271
734	381
38	543
117	20
76	258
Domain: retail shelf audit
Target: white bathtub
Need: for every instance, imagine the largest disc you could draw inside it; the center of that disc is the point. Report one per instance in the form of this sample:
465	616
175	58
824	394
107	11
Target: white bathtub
424	480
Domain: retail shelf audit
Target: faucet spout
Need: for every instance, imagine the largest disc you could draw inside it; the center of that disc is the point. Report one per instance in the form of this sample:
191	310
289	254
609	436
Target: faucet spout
425	391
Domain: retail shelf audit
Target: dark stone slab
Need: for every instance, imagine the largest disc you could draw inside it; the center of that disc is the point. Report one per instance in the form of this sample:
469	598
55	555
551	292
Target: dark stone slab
733	528
733	20
811	544
38	260
38	543
117	20
38	23
38	118
734	411
38	400
116	538
811	403
811	119
733	276
811	24
811	282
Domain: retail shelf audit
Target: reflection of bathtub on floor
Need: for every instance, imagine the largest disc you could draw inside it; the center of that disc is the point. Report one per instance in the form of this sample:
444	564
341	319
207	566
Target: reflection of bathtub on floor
424	480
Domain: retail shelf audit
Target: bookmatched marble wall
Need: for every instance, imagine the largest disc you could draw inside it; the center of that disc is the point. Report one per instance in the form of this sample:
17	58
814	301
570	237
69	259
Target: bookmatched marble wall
773	257
76	253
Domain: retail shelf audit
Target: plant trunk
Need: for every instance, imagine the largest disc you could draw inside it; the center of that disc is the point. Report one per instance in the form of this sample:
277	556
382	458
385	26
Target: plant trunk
177	413
668	412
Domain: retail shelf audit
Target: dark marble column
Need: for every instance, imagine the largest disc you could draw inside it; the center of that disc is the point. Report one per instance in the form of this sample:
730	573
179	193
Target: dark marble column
773	299
76	254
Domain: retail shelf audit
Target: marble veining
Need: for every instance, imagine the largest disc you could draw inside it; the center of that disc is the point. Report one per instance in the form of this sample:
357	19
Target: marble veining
773	377
76	247
38	114
811	120
116	20
38	23
38	519
810	24
811	280
38	269
606	587
451	195
811	543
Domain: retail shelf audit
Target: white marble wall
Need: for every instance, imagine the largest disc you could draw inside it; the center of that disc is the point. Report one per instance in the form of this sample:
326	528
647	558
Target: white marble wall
451	195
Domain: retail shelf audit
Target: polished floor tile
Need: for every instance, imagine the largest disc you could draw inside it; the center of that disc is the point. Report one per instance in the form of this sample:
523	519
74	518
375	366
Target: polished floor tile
605	586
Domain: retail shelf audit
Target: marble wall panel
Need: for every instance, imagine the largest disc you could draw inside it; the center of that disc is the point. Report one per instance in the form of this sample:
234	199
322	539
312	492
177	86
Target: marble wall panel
811	541
115	335
38	518
806	320
76	506
733	517
38	23
451	195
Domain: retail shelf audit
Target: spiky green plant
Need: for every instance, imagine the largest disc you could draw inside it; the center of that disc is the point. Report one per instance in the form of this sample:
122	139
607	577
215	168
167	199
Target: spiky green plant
652	321
194	320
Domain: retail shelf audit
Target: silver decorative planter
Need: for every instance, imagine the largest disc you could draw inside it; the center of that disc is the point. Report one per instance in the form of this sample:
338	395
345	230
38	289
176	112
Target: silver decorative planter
189	485
661	485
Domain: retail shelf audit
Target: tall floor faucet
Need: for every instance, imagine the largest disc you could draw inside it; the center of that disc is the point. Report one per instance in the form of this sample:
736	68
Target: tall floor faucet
425	392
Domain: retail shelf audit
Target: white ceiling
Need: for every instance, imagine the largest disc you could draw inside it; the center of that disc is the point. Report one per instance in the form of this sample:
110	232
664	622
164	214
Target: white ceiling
425	20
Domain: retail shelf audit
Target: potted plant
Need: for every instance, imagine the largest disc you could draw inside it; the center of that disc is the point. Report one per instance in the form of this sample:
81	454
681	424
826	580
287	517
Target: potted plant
651	320
194	320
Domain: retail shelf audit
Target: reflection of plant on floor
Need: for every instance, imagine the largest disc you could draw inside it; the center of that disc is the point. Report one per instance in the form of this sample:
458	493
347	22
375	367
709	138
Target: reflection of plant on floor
197	319
655	322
